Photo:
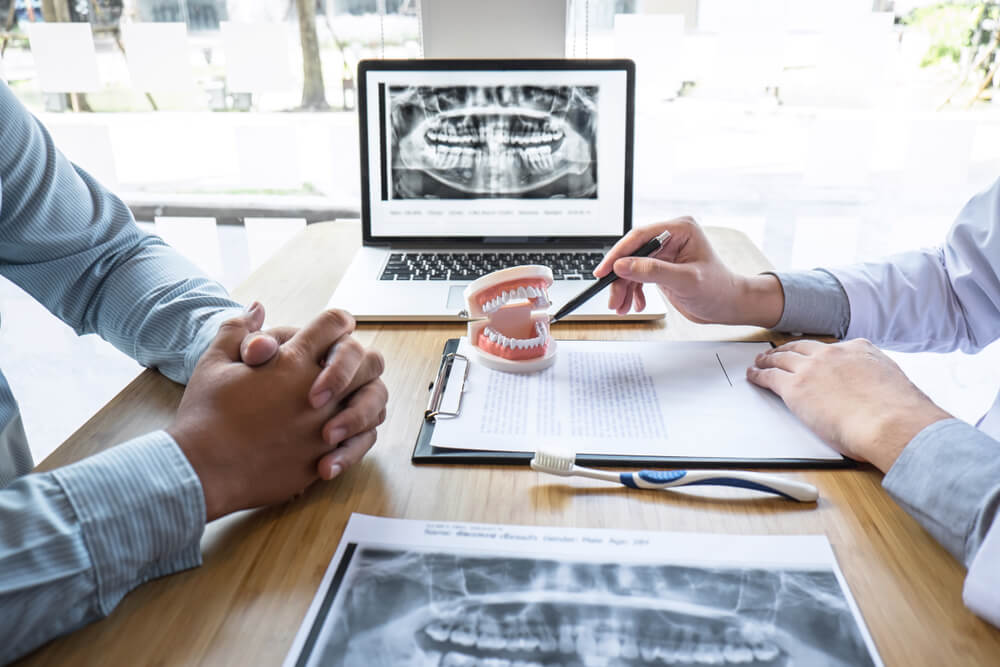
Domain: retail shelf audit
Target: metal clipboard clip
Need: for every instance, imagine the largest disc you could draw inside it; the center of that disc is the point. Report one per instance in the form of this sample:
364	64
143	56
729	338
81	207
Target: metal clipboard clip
434	410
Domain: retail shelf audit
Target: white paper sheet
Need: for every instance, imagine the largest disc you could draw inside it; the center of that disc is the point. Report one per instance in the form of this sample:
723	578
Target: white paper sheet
635	398
407	593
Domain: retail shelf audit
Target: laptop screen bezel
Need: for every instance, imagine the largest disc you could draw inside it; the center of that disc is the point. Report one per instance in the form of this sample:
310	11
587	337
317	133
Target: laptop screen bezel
366	66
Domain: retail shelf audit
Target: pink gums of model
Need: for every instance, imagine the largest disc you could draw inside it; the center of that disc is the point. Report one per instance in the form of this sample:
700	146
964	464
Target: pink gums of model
514	336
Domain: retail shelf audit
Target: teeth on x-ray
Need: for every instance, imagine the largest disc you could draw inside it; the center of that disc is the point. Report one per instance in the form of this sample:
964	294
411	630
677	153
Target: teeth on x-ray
411	608
505	141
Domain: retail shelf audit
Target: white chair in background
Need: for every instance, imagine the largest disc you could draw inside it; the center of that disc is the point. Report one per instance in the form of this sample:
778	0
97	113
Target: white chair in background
88	145
158	56
257	57
654	42
754	226
65	59
265	236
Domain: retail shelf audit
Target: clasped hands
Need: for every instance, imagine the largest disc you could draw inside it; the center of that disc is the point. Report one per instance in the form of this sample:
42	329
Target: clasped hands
266	414
850	394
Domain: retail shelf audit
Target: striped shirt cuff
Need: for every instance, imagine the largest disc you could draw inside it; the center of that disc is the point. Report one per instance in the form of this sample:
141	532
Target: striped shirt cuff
206	334
142	512
815	303
948	479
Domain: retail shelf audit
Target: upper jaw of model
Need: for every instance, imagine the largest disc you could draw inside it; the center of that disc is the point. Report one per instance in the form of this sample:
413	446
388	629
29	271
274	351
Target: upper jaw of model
509	327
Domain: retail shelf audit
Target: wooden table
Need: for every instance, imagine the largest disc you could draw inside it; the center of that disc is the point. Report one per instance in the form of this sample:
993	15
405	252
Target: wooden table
244	605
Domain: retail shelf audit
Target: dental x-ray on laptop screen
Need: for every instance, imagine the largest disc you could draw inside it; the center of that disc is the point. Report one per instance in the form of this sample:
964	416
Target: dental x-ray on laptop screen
469	166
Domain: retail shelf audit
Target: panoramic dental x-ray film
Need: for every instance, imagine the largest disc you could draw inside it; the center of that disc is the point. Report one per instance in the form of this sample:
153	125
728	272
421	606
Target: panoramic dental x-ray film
470	142
445	604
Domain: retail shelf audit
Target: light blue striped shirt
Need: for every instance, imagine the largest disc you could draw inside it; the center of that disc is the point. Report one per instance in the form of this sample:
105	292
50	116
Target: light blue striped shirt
74	541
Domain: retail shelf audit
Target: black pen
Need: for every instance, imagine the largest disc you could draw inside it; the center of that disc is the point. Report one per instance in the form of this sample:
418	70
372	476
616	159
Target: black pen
646	250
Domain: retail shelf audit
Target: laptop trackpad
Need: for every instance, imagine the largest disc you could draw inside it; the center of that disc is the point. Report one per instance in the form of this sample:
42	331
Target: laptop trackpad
456	300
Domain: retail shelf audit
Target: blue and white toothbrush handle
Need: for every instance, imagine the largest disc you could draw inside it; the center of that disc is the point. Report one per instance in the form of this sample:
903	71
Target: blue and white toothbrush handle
665	479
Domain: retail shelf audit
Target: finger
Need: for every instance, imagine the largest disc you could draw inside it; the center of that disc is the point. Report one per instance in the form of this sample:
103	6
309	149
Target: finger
786	360
651	270
805	347
315	338
640	298
343	457
259	347
617	294
774	379
365	410
628	244
341	364
227	342
626	304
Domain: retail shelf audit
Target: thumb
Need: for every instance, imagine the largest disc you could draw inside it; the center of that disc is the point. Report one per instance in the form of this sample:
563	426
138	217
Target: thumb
232	332
647	270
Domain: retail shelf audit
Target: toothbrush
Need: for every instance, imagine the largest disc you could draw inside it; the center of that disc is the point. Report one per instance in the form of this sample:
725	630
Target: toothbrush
565	466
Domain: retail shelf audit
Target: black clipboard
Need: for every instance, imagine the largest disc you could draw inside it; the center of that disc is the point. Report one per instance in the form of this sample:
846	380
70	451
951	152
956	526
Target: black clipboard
424	452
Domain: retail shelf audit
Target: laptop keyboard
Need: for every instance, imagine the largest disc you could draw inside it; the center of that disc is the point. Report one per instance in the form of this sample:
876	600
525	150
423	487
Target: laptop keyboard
469	266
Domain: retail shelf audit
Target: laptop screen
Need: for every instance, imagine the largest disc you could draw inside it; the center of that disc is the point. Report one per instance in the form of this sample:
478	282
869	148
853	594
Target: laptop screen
506	150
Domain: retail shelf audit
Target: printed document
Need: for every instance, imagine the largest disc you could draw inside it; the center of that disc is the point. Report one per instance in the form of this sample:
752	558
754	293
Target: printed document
632	398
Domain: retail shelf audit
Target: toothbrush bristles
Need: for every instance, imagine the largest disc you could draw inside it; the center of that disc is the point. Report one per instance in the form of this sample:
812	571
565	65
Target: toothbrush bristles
552	463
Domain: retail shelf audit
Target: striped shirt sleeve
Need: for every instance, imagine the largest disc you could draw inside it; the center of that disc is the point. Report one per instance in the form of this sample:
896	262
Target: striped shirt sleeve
76	540
75	247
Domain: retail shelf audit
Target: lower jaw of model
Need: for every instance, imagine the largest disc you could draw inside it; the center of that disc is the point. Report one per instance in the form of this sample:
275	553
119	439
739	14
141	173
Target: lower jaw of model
510	328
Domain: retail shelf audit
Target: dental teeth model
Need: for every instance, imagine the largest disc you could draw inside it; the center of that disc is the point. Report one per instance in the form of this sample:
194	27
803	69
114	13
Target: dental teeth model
509	327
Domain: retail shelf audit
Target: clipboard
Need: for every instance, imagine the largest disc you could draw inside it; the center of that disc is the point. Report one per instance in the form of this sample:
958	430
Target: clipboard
424	452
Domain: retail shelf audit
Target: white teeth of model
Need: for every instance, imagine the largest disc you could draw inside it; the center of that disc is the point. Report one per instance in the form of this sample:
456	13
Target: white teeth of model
737	655
765	651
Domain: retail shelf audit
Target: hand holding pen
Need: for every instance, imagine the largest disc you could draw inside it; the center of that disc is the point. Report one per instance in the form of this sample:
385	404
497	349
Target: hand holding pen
645	250
691	276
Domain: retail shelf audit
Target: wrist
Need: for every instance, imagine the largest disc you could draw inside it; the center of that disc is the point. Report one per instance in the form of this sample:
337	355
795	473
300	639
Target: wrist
212	486
897	429
761	301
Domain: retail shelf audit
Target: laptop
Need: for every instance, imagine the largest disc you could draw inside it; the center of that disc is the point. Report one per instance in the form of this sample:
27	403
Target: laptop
470	166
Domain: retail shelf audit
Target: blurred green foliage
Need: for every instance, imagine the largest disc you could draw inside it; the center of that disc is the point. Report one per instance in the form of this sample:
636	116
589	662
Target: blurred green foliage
949	25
